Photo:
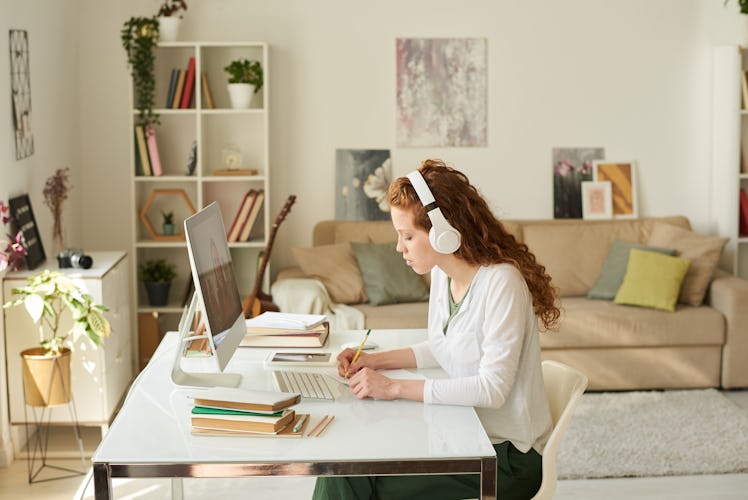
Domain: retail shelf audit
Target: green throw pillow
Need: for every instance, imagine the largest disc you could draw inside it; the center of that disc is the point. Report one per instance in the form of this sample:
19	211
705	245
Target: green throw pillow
387	278
652	280
614	269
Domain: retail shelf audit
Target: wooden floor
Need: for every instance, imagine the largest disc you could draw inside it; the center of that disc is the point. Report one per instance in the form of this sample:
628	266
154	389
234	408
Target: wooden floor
14	485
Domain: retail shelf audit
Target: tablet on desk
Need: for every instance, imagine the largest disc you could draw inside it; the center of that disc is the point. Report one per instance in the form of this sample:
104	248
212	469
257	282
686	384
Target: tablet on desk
300	358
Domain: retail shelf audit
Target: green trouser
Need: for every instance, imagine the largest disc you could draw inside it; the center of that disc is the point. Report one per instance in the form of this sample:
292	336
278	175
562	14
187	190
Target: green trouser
518	476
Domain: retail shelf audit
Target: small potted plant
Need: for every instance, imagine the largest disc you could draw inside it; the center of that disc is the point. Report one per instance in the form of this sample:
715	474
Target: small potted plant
168	224
245	79
140	36
157	275
169	17
46	368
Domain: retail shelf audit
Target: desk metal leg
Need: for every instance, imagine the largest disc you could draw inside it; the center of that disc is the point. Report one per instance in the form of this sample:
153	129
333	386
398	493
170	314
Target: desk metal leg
488	479
102	482
177	488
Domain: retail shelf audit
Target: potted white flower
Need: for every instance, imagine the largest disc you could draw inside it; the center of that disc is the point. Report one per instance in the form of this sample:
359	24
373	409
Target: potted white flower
169	18
46	368
245	79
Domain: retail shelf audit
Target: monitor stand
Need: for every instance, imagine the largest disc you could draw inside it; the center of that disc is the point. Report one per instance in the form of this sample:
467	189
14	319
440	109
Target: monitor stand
197	379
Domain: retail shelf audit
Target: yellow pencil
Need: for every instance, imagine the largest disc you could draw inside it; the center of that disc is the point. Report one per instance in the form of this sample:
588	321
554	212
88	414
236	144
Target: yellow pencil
358	352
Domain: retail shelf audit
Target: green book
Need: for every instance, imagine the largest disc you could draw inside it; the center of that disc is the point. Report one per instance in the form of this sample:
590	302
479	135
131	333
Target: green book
202	410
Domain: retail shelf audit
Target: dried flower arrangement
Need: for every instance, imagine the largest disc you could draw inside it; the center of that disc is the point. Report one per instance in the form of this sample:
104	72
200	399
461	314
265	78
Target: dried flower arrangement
55	193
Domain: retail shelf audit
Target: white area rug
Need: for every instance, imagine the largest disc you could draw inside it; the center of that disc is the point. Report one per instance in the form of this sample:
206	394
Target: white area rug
657	433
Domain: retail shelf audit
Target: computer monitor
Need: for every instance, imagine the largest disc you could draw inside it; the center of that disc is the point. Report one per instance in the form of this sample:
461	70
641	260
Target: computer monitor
216	297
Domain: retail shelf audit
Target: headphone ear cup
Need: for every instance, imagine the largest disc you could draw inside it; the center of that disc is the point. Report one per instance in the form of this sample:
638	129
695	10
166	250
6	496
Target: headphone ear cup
442	236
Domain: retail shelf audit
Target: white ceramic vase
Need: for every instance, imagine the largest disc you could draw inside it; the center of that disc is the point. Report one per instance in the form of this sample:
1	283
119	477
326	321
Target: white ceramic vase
241	95
168	28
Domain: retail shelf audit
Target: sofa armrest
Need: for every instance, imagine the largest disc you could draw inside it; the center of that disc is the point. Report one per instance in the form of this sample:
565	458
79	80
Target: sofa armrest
729	295
290	273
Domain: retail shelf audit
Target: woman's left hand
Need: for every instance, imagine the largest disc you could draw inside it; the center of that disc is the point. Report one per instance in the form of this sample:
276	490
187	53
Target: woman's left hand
368	383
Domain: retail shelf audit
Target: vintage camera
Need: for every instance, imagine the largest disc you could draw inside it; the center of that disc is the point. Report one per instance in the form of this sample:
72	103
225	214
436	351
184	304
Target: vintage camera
74	257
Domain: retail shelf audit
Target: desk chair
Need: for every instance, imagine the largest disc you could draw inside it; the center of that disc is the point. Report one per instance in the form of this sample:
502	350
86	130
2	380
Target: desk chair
564	386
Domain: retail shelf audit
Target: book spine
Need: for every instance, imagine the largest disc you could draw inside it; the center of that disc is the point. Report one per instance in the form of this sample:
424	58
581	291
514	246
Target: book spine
189	84
246	230
246	212
241	212
172	87
207	94
743	213
143	150
138	163
178	90
155	158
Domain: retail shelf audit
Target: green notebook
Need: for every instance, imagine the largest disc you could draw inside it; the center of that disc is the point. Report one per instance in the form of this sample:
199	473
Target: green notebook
202	410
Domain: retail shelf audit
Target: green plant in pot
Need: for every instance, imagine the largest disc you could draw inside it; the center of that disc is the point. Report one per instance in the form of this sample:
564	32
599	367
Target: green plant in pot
245	78
169	17
157	275
168	223
46	369
140	36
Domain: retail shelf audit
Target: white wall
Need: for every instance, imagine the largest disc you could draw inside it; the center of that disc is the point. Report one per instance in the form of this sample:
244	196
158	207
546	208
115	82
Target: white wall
52	30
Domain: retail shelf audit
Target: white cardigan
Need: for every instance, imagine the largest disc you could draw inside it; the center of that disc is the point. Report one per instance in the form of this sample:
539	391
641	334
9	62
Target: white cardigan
491	352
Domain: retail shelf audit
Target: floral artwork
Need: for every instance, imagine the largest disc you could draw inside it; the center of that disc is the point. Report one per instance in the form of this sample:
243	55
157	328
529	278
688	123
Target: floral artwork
571	166
441	92
14	253
362	178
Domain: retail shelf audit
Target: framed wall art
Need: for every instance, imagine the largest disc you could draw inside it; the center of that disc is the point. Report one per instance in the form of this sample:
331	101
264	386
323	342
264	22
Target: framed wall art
571	166
20	93
597	200
362	177
622	178
23	218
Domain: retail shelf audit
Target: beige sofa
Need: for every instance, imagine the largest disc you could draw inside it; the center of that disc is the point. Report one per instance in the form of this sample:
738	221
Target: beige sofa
618	347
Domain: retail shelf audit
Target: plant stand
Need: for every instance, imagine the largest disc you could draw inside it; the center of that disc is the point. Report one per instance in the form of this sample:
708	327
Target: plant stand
37	449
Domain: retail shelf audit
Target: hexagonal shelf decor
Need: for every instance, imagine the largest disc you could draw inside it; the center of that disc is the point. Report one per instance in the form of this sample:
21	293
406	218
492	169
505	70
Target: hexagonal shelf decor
180	194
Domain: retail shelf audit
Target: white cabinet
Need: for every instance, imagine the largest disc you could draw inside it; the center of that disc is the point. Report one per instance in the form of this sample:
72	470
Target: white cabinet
100	375
729	153
213	131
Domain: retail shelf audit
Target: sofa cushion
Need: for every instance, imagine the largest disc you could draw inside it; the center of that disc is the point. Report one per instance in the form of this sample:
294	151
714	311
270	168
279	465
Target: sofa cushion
387	278
652	280
370	232
395	316
614	269
589	323
704	252
336	267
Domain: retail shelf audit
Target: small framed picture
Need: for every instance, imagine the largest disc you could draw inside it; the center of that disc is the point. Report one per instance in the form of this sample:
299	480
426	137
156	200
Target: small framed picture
597	200
622	178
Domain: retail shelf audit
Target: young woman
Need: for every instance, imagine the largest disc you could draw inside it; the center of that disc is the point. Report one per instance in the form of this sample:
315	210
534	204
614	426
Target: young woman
487	294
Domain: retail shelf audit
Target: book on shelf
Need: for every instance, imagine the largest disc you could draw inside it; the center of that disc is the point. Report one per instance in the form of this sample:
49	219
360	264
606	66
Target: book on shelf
142	150
744	87
245	207
178	90
743	213
230	398
172	88
189	85
315	336
252	217
294	429
207	94
231	420
153	156
248	172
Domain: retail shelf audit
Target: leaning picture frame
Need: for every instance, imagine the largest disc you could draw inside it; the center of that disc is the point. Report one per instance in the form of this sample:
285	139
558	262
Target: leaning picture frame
24	221
622	178
597	200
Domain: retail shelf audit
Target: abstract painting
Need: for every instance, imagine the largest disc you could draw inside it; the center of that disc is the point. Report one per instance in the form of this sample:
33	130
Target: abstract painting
362	178
441	92
622	178
597	200
571	166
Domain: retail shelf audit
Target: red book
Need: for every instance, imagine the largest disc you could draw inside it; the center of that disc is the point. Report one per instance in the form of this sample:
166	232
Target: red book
250	222
241	216
153	156
743	213
189	84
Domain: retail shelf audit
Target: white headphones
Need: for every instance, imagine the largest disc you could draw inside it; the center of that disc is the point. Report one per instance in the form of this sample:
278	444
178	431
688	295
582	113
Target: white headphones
442	236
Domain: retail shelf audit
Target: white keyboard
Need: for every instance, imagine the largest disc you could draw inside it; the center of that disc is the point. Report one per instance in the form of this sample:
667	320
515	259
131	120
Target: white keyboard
309	385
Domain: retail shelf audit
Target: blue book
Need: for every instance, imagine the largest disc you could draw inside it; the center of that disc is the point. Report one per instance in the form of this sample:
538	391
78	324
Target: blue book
172	88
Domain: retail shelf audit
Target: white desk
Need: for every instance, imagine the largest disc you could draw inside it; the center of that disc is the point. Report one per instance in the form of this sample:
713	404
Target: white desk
151	435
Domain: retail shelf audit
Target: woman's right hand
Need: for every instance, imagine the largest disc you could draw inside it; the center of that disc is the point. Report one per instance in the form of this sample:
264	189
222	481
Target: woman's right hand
346	369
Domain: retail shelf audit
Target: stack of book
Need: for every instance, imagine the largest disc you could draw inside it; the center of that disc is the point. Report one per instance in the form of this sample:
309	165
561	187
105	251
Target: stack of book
147	158
182	88
246	216
274	329
227	411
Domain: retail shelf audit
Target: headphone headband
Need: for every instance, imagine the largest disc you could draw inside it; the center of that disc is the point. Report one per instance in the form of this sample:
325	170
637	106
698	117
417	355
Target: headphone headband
443	237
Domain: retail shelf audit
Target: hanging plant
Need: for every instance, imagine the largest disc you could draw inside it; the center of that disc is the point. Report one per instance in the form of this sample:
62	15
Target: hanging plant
139	38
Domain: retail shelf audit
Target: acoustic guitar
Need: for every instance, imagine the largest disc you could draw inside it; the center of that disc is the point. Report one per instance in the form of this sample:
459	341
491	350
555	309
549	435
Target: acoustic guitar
257	302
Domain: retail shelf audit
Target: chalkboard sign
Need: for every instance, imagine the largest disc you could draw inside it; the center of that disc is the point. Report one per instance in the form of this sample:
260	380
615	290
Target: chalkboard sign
23	218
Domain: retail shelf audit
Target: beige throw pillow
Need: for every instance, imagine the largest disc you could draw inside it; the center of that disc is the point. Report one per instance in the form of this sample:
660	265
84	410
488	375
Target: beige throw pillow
336	267
703	251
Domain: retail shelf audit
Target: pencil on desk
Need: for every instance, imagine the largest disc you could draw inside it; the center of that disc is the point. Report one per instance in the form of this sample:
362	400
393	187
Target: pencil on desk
319	433
317	426
358	352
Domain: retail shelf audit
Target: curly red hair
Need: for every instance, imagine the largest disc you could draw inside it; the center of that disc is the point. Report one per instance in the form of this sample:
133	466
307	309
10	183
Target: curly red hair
485	241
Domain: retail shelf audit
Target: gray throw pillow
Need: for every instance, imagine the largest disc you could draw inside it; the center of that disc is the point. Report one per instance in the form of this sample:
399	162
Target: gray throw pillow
611	276
387	278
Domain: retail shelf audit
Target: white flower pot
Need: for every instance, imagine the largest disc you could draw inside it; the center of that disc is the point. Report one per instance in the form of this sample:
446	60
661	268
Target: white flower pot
241	95
168	28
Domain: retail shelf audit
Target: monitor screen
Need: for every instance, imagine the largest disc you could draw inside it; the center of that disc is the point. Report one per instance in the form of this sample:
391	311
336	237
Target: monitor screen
215	283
